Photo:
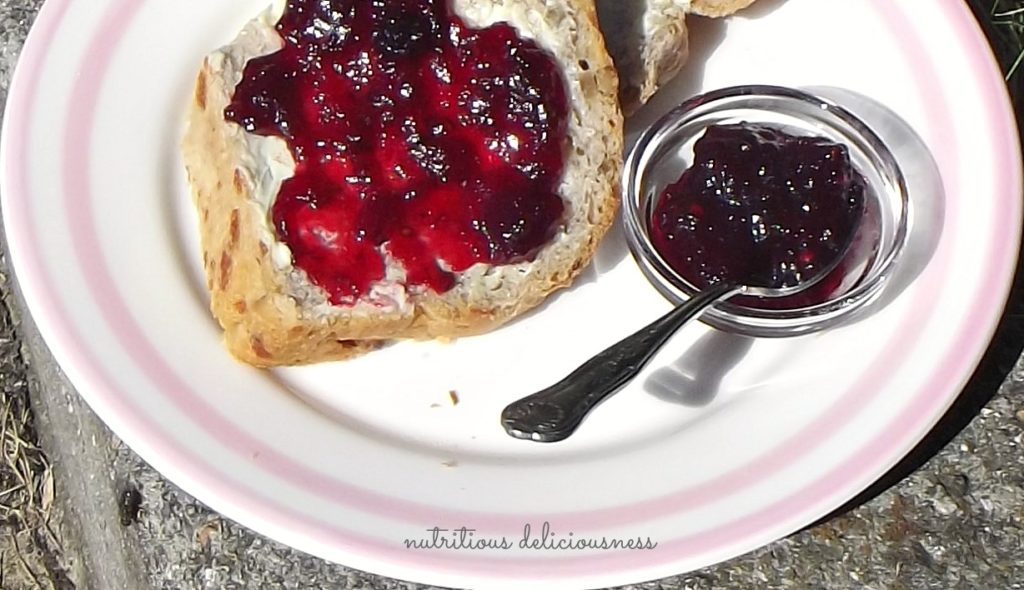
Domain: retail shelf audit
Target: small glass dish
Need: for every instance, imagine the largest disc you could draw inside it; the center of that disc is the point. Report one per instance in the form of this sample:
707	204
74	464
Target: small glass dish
665	150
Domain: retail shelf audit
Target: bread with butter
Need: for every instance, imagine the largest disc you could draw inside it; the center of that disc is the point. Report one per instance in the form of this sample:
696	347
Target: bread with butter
270	311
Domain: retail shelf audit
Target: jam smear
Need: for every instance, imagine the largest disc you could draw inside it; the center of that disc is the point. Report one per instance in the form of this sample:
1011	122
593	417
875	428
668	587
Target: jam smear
414	135
760	206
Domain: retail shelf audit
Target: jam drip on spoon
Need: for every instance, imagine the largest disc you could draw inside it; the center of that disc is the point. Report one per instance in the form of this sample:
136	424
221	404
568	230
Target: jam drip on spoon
413	135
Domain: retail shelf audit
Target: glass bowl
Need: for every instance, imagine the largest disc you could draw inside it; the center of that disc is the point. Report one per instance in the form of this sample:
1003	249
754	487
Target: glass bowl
665	150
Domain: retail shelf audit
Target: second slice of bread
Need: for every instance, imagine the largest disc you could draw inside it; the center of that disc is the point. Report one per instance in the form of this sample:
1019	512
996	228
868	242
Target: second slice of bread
649	41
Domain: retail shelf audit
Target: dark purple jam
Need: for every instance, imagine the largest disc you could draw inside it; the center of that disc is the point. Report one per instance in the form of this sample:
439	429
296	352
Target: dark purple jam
440	143
762	207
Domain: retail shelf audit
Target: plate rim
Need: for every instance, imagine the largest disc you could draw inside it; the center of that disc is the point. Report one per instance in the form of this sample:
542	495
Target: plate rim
48	11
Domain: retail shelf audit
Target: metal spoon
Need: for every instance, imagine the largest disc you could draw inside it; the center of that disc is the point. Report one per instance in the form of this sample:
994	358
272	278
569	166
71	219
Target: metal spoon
552	414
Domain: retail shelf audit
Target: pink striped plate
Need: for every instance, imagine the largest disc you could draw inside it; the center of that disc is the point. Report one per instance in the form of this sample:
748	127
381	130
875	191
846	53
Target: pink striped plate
369	462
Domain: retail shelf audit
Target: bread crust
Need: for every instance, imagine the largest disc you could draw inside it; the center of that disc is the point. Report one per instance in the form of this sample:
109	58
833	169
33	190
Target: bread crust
648	42
718	8
269	321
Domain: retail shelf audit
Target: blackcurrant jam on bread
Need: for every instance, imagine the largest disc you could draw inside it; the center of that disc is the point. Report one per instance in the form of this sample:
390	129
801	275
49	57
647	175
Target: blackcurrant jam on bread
374	169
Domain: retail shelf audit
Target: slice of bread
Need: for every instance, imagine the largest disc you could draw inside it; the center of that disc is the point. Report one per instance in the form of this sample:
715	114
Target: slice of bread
648	40
270	311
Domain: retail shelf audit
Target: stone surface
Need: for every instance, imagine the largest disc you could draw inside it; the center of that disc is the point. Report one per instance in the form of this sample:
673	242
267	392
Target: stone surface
33	526
955	522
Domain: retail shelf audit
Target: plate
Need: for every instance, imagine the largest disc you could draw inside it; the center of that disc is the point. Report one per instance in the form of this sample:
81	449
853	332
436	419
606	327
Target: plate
722	445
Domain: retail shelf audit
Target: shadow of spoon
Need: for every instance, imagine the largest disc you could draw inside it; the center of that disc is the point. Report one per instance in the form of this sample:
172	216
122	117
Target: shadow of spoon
553	414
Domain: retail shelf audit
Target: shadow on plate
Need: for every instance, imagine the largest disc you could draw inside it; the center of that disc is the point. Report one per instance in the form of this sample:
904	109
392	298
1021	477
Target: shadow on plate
695	378
925	190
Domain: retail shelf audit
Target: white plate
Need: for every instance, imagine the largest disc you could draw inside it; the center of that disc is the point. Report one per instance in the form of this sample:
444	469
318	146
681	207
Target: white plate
349	460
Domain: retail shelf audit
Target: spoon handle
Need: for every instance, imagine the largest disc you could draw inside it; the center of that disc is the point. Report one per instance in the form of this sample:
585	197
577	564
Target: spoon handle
552	414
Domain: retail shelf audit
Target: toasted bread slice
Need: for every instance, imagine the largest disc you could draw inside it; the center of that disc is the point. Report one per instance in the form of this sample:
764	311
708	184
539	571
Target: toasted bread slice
272	314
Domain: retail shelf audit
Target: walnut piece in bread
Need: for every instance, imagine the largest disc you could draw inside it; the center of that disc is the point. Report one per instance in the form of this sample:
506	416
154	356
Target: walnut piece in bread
272	314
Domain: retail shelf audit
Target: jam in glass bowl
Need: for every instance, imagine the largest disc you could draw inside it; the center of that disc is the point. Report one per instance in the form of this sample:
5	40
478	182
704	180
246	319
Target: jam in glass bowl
765	177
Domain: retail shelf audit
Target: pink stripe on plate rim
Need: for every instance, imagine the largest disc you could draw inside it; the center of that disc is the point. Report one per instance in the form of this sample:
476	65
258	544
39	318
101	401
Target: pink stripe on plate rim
252	506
